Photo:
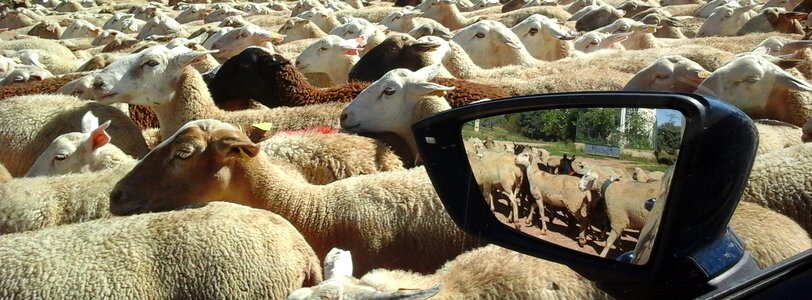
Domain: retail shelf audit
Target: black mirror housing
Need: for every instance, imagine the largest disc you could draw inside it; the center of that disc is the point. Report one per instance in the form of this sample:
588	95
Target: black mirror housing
693	245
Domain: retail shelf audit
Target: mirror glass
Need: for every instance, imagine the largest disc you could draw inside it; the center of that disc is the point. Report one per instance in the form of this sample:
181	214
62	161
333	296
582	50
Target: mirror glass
580	178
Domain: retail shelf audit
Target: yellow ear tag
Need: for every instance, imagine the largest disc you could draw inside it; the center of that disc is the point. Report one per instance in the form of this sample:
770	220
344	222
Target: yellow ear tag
263	126
243	154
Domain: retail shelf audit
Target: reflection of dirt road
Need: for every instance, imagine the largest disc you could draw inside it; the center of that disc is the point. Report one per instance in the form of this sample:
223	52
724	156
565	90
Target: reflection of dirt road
626	165
559	234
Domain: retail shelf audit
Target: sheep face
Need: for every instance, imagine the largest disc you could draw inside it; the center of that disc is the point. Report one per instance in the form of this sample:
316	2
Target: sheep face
160	25
193	13
81	87
145	78
400	21
669	73
587	182
485	40
235	40
25	73
598	17
221	14
355	28
322	55
250	63
47	30
195	165
431	29
749	83
296	29
726	20
778	46
81	29
72	152
593	41
539	31
387	104
397	51
105	37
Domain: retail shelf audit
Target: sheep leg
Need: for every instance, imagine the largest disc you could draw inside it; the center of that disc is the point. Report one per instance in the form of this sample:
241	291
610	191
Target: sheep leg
514	202
529	221
540	203
580	215
609	241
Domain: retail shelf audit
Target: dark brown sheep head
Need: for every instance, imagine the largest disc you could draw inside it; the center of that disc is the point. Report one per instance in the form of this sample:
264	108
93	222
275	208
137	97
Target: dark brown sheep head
397	51
247	76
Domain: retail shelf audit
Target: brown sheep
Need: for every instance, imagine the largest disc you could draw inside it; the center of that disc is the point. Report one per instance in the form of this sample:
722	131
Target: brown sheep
273	81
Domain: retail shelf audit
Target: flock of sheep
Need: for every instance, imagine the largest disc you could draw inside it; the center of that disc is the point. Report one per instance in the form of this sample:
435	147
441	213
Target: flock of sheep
119	120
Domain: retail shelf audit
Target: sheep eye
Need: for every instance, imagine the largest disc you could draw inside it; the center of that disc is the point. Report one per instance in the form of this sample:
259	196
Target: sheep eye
350	32
479	35
60	157
752	79
19	79
244	34
323	48
397	18
183	153
388	91
152	63
533	31
593	42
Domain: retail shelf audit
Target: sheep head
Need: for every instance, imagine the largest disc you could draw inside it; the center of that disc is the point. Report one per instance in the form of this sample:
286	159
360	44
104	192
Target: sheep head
397	51
237	39
751	82
669	73
388	104
199	163
145	78
71	152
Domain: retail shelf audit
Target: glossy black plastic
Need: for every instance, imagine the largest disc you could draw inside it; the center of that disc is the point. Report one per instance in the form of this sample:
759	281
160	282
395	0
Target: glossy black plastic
717	152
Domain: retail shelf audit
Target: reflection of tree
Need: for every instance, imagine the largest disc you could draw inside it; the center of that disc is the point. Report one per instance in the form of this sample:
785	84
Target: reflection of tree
668	141
548	125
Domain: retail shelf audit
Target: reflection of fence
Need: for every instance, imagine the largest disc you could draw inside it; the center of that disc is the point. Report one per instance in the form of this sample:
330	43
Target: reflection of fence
602	150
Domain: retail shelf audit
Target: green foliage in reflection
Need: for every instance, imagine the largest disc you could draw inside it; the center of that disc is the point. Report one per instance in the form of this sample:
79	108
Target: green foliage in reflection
668	140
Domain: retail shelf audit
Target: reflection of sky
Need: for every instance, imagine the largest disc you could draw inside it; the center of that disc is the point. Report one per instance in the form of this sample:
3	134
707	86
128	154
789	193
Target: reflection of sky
669	115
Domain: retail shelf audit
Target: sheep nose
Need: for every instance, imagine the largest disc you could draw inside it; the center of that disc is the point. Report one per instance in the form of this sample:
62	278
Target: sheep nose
343	116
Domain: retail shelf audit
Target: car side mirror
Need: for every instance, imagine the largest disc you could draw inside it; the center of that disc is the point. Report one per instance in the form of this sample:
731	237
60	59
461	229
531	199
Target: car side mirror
667	170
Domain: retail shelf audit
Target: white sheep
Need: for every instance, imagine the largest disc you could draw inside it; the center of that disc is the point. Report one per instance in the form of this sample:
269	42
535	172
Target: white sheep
193	13
624	203
778	181
761	89
374	109
556	191
25	73
296	29
331	55
178	93
372	34
491	44
4	174
76	152
47	29
360	213
126	23
776	135
220	14
641	37
234	41
726	20
673	73
433	29
640	175
489	272
30	123
55	57
544	38
768	236
405	20
322	17
161	26
81	29
221	250
595	41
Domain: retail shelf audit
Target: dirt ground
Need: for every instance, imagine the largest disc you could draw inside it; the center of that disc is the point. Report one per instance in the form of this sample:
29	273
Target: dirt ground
558	233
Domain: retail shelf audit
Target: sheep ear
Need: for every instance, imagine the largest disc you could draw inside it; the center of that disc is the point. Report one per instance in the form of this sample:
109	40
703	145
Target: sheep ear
337	262
428	72
98	137
430	88
231	146
89	122
791	82
187	58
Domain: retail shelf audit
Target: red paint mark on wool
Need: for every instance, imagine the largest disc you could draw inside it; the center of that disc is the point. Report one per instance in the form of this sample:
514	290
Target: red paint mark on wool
323	129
